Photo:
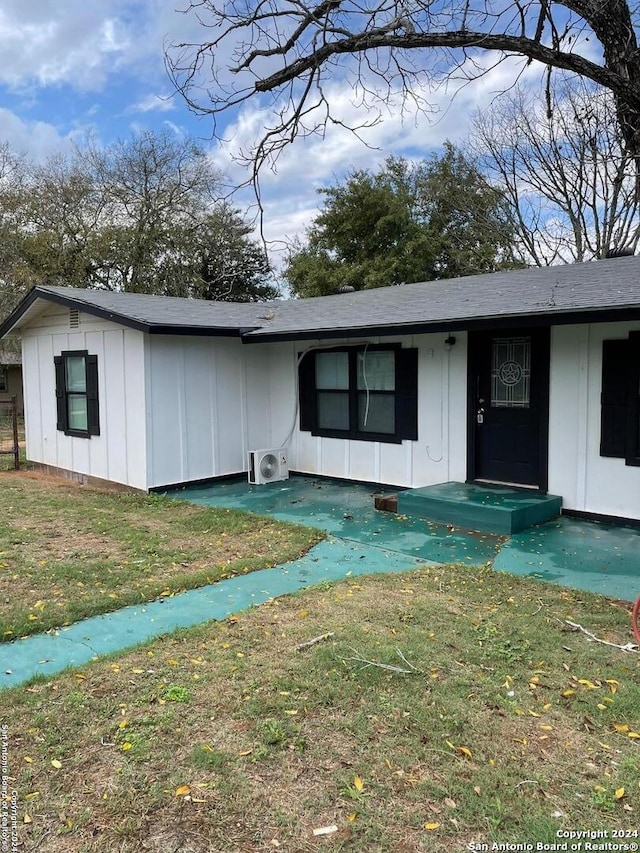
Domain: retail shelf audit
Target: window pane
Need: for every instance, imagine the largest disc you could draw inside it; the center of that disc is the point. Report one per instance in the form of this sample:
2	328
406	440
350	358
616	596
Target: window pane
332	370
76	373
78	412
333	410
377	413
377	370
510	373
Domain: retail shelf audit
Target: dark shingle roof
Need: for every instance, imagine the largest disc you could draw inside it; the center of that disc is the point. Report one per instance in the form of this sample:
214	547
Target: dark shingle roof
573	293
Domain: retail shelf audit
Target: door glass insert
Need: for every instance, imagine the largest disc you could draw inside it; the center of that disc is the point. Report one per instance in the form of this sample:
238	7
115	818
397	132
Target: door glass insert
511	373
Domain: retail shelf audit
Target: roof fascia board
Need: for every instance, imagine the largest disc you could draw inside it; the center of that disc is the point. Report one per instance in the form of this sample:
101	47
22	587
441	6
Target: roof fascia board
69	302
512	321
200	331
114	316
17	312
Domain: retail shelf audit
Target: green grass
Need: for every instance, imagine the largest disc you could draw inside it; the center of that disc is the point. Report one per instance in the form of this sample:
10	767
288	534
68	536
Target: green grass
508	727
69	551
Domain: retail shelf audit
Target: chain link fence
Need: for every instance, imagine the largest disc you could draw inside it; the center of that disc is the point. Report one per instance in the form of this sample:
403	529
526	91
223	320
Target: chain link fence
11	429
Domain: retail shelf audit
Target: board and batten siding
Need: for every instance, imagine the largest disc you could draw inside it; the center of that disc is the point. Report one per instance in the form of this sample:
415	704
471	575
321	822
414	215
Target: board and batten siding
118	454
207	404
438	455
587	481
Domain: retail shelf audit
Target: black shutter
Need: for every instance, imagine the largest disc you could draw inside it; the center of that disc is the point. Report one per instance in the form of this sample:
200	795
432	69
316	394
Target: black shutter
407	394
61	397
633	400
307	392
613	428
93	410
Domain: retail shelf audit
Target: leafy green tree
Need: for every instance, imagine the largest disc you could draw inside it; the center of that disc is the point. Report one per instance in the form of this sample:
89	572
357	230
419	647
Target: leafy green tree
142	215
408	222
219	261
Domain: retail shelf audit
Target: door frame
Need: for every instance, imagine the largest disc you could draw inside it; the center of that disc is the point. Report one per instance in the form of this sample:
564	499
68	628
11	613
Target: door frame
542	334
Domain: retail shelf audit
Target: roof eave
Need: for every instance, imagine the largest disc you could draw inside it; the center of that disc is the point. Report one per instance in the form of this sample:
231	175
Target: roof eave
107	314
560	317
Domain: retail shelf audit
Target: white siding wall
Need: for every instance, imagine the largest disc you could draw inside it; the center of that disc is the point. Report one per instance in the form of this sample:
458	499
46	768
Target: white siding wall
119	452
203	409
587	481
438	455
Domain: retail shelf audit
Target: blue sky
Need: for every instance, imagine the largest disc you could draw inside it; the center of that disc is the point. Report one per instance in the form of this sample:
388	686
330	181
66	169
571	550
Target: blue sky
76	66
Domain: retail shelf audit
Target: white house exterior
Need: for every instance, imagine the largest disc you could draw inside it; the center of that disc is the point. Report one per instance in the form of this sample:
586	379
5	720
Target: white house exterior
497	378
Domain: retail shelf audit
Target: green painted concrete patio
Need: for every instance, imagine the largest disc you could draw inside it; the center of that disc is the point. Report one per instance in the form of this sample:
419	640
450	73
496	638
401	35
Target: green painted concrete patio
593	556
602	558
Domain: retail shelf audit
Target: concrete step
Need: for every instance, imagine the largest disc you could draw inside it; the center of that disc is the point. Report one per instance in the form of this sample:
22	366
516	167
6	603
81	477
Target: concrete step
491	509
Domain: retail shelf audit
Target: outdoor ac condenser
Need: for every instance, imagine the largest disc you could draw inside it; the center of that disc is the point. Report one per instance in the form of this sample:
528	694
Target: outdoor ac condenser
268	466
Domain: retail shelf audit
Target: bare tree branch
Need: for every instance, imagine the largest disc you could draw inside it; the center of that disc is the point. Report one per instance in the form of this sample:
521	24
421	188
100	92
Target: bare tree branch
288	49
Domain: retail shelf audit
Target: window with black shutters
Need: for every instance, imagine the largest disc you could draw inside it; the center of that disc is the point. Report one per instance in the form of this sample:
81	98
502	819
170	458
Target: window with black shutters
77	393
365	393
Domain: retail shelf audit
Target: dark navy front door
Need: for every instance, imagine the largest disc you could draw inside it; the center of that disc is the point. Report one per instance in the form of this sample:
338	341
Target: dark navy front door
508	403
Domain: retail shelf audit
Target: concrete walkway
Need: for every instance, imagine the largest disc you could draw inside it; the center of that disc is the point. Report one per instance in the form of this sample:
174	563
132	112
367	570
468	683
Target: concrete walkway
90	639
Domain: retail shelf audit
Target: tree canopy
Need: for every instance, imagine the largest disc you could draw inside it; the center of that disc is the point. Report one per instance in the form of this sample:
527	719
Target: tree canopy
407	222
289	50
144	215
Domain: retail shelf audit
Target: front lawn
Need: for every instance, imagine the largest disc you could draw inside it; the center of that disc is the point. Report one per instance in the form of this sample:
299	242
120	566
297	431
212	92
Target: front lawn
507	726
69	551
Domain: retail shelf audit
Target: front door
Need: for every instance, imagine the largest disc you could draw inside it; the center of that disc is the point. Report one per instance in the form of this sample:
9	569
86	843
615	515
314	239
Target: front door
509	406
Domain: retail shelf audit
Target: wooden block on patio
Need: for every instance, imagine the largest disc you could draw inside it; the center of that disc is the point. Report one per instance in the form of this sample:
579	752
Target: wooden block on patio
387	503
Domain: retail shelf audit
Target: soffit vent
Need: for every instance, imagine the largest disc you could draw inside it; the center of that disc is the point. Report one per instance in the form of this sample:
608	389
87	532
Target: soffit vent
74	318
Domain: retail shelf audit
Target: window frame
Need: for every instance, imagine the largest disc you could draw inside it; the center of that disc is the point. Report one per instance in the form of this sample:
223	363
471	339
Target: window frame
404	394
90	393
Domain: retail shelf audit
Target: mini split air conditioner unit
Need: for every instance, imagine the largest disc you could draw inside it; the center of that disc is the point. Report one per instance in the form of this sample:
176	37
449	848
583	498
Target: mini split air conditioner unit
267	466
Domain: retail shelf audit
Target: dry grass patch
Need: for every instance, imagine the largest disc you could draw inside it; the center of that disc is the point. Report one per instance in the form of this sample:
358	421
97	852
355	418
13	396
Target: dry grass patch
69	551
227	738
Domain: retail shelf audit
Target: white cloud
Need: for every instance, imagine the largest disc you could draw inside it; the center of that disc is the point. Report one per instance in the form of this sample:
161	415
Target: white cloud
289	189
155	103
37	139
78	43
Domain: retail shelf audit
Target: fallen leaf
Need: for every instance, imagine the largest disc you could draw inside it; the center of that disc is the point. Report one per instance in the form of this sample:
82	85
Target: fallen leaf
182	790
431	826
27	819
464	750
57	764
619	794
358	784
451	803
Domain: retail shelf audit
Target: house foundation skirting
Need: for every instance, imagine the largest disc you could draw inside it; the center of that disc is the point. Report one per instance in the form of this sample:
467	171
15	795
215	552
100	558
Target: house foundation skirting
84	479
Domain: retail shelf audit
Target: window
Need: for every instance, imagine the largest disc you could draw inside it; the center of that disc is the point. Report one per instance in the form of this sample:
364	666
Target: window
4	379
77	393
364	393
620	399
